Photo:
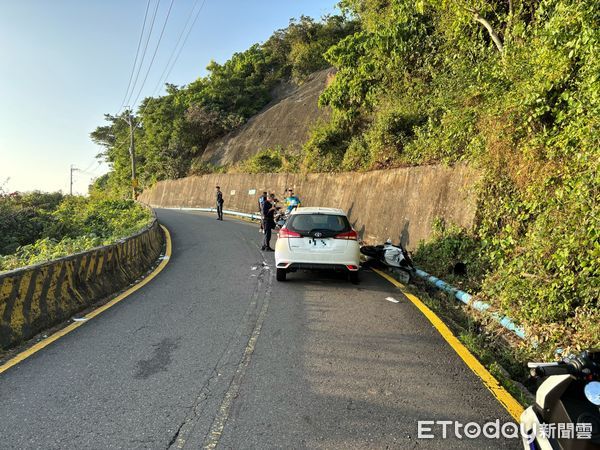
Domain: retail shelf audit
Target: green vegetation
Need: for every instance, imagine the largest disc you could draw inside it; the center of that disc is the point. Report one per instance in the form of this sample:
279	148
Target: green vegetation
37	227
175	128
448	246
513	89
269	161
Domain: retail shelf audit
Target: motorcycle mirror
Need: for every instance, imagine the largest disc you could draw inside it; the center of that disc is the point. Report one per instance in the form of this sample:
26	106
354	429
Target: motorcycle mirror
592	392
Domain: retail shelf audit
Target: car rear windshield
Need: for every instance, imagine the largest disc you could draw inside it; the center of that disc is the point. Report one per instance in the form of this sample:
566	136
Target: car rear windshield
329	223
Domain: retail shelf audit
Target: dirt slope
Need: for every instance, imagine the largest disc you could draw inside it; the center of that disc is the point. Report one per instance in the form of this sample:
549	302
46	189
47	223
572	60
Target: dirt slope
285	123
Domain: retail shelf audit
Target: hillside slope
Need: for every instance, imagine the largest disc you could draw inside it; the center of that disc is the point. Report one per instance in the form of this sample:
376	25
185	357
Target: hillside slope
284	123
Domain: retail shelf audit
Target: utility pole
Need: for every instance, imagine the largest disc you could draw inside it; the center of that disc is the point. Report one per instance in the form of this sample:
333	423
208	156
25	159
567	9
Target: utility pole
73	169
130	120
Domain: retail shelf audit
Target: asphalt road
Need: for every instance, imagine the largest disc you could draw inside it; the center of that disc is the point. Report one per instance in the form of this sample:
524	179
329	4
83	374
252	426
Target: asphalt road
213	352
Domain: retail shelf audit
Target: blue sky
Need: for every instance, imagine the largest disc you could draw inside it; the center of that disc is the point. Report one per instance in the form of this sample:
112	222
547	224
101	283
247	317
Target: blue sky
64	63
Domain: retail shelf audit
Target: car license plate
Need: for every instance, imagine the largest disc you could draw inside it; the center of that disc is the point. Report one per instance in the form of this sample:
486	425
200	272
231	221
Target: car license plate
317	243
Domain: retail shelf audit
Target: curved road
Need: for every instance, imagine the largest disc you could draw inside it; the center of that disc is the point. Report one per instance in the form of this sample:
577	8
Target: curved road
213	352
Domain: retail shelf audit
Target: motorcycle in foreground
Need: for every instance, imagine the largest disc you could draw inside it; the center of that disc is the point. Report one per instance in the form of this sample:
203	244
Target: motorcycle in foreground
566	413
393	256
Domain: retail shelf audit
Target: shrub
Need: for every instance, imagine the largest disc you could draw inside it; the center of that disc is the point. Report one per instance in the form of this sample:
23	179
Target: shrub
63	225
357	156
324	151
270	161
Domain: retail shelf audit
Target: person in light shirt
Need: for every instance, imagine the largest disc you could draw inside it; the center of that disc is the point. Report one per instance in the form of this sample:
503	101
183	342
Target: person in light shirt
261	201
291	201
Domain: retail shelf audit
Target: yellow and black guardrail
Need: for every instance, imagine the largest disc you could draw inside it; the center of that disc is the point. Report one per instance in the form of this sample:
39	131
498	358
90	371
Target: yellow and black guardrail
37	297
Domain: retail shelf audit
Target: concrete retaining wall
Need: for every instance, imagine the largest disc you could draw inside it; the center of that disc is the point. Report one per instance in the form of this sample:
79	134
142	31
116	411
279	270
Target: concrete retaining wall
400	204
38	297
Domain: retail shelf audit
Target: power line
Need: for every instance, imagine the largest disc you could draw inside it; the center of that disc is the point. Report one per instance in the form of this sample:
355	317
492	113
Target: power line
137	53
172	62
179	52
167	69
93	171
162	77
88	167
144	52
155	51
185	40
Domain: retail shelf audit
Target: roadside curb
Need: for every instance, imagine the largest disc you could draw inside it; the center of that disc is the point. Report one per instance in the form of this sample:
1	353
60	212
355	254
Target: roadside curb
512	406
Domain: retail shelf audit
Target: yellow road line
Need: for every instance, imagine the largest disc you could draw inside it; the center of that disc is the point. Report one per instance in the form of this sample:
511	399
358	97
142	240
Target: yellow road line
509	403
54	337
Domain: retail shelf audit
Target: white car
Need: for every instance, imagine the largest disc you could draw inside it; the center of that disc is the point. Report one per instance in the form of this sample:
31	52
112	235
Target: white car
317	238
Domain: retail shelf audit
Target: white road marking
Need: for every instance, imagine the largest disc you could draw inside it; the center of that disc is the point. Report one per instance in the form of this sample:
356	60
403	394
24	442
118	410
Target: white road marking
392	299
218	425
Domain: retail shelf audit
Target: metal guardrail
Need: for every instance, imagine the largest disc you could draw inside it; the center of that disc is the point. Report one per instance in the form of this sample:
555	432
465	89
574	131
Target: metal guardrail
225	211
468	300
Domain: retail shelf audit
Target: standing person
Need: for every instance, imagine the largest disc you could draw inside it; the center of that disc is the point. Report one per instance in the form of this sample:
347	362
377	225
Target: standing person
220	202
268	213
291	201
261	201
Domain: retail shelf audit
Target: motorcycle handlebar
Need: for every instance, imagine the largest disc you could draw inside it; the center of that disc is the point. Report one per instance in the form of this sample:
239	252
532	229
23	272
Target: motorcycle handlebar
576	367
546	371
584	365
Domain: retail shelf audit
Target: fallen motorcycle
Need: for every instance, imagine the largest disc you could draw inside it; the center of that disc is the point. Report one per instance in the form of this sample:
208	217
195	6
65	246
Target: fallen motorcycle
566	412
281	217
395	257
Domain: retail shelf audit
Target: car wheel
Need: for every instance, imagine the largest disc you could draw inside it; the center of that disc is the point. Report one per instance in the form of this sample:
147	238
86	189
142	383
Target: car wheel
281	274
353	276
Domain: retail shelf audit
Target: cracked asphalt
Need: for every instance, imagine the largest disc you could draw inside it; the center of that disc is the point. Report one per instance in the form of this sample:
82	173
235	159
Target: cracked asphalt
214	353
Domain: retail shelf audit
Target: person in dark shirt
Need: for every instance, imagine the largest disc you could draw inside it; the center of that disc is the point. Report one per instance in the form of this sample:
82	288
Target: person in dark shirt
220	202
268	213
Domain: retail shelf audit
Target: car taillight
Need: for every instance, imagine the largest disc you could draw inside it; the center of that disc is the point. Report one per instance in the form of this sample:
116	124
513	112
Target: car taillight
349	235
285	233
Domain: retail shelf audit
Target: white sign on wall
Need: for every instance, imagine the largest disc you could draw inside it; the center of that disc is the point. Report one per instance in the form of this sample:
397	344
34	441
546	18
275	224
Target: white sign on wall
252	192
232	192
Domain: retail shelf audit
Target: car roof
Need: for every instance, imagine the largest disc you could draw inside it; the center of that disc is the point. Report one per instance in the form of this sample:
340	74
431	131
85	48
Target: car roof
319	210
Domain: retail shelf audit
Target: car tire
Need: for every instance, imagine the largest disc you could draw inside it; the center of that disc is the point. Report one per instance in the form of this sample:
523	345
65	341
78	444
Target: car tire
281	274
353	276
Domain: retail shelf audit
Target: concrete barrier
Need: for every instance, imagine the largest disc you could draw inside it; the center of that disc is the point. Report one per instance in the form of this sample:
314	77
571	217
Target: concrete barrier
37	297
400	204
